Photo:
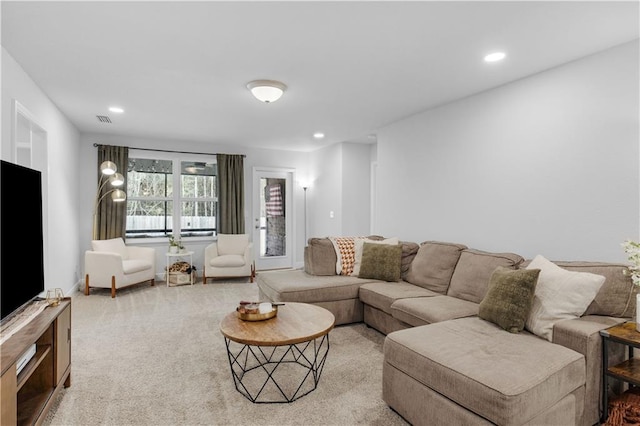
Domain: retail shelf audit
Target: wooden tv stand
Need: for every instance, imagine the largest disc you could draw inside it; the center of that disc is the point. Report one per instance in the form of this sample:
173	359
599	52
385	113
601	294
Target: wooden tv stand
27	397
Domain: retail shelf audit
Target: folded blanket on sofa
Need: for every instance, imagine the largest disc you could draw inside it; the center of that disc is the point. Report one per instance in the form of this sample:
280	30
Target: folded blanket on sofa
346	252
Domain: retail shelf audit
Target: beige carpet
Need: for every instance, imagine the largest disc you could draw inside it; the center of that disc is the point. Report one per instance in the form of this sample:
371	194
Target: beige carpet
155	356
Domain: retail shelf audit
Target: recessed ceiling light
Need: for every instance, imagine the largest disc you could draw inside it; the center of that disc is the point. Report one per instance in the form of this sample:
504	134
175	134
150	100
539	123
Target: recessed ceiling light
116	109
318	135
495	56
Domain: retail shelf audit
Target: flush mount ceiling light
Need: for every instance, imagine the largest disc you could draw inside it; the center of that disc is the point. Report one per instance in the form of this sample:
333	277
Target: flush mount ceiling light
116	109
266	91
495	57
318	135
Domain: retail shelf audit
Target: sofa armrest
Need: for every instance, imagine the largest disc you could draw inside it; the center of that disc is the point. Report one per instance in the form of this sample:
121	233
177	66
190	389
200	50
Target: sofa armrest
582	333
583	336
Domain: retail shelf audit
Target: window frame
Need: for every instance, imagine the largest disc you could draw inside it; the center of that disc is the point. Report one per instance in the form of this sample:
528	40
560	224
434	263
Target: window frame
176	199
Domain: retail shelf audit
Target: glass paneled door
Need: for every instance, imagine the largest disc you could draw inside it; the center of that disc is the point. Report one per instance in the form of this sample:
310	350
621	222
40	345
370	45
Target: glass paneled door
272	198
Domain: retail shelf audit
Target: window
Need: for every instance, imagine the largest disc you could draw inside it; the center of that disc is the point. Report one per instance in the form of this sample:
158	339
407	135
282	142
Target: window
171	197
199	199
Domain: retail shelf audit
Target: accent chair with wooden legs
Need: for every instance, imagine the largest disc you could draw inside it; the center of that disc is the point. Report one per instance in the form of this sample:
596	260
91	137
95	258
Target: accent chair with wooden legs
112	264
231	256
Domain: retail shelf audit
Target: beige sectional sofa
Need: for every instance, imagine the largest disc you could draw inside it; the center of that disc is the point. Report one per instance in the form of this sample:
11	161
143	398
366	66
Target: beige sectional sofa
445	364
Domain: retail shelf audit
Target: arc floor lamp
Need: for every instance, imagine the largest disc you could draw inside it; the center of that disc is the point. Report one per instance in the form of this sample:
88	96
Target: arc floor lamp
109	174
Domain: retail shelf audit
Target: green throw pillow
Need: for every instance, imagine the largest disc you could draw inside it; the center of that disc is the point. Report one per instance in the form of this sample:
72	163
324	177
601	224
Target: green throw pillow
381	262
509	297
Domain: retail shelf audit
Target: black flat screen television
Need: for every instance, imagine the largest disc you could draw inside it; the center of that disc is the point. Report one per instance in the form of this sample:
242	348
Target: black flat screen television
21	237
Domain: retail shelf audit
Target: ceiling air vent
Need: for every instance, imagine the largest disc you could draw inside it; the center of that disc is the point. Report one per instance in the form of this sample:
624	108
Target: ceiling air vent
103	119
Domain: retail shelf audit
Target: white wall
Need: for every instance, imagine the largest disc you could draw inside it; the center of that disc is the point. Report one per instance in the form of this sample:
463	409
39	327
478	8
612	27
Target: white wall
254	158
340	184
62	256
356	195
546	165
325	193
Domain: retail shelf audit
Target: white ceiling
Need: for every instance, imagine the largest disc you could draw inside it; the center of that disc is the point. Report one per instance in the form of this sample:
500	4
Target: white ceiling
179	69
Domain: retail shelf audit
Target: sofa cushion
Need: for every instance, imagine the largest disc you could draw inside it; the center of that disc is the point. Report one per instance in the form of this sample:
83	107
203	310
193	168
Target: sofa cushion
474	268
320	257
616	297
560	294
433	265
418	311
509	298
506	378
381	261
298	286
227	261
616	294
381	295
409	251
358	246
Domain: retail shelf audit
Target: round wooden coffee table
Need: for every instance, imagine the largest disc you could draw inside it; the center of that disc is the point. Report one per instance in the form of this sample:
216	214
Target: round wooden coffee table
279	359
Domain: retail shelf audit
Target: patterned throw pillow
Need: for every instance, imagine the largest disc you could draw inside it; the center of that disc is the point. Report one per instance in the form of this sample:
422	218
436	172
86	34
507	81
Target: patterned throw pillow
509	297
381	262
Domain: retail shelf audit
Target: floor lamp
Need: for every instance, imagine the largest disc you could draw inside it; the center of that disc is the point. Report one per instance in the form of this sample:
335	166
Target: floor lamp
109	174
305	214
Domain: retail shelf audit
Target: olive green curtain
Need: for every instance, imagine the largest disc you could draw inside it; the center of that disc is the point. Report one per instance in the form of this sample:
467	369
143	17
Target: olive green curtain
110	217
230	194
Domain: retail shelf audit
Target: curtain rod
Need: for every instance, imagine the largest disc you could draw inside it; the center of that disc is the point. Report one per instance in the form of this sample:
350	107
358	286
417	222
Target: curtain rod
166	150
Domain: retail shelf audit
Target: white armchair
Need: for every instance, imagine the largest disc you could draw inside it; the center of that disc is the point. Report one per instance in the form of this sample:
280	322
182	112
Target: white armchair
112	264
229	257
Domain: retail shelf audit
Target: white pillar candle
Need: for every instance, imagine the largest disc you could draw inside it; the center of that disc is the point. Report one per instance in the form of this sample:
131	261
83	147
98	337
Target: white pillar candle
265	307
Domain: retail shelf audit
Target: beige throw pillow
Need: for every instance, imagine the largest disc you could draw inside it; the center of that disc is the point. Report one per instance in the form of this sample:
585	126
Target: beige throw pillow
560	294
358	251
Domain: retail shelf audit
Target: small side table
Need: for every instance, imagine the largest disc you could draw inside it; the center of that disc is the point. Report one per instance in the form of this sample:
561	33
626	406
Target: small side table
170	256
627	371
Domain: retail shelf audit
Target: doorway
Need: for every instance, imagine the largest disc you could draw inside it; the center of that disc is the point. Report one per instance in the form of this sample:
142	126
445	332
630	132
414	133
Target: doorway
272	219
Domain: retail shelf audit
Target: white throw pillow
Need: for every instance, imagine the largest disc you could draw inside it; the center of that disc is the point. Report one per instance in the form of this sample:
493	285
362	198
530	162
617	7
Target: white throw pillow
560	294
359	244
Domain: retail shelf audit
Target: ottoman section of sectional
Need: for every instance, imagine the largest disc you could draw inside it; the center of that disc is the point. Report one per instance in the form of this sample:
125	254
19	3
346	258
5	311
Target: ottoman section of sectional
469	367
337	293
